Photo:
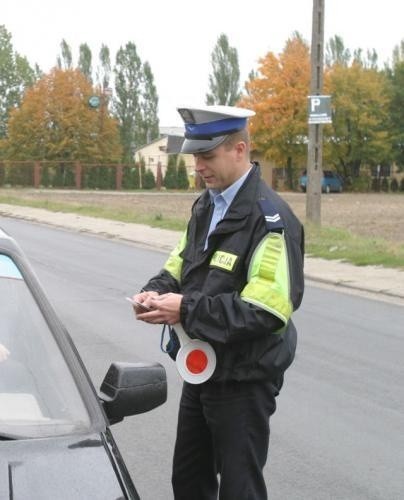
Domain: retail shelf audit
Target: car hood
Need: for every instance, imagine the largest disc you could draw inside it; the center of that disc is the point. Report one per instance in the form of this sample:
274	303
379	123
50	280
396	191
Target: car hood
63	468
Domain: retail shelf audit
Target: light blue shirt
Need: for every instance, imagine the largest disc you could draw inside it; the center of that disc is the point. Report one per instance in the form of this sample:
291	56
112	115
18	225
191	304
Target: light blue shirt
222	200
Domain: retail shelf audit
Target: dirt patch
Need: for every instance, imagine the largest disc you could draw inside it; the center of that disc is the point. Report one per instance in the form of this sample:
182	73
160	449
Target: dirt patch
366	214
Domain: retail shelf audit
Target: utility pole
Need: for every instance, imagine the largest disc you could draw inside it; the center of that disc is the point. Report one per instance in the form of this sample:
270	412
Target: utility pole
315	147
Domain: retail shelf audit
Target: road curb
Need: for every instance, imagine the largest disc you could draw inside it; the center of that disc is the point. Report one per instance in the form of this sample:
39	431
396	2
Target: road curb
349	286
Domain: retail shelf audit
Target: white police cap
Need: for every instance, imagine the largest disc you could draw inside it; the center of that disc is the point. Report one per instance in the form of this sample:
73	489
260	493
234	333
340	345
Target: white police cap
206	127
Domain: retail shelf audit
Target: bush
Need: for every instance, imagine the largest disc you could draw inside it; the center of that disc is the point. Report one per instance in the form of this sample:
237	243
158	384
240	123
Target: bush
361	184
45	176
2	174
149	182
170	179
135	178
375	186
394	185
384	185
131	179
90	177
182	176
69	180
20	174
58	177
99	177
106	178
64	176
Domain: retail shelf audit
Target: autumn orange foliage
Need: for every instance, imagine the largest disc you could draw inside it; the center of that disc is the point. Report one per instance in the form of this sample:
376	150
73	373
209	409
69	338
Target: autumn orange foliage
279	97
55	122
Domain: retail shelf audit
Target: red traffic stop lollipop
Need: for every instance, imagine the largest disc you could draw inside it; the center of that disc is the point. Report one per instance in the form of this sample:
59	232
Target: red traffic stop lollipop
196	359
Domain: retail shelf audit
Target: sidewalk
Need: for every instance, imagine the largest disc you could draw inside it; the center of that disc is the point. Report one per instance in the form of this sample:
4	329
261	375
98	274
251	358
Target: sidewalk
380	282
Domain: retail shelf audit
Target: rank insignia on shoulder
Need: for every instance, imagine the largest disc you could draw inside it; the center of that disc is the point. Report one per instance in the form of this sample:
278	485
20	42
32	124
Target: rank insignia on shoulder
273	220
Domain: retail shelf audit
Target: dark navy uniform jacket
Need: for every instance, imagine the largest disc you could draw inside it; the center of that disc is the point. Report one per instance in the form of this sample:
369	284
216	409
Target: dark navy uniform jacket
240	292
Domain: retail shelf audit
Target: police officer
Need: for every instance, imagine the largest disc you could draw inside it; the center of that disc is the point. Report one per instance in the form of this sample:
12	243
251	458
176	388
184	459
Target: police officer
233	280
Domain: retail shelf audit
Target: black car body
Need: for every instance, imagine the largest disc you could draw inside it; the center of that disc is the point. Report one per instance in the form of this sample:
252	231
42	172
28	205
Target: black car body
55	441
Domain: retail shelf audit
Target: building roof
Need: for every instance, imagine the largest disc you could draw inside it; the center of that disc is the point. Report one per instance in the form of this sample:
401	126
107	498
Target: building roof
174	136
161	138
172	131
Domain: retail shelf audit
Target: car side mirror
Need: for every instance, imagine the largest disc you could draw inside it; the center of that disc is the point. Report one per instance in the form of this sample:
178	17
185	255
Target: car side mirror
132	388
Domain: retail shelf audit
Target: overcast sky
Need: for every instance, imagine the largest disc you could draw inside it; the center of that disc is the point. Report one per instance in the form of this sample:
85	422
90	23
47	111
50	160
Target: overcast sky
177	36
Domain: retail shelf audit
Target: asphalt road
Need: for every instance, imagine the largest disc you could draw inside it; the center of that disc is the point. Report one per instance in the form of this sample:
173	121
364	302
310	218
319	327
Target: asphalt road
338	432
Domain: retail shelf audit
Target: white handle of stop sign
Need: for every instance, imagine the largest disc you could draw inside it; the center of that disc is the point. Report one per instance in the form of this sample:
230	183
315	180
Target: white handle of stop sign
196	359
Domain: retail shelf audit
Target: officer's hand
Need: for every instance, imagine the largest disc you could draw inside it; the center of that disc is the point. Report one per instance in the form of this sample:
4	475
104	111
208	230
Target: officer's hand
166	309
144	299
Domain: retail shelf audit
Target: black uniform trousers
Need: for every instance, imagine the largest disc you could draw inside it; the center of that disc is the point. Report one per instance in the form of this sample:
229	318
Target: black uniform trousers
222	440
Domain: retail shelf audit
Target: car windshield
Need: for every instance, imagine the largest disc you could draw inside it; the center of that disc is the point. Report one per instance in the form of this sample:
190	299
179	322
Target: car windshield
38	395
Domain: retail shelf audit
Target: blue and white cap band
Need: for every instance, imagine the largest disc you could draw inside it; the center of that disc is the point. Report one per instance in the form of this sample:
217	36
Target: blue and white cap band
226	126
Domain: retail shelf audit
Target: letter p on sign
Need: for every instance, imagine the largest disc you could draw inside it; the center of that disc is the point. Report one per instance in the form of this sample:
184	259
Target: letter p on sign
315	103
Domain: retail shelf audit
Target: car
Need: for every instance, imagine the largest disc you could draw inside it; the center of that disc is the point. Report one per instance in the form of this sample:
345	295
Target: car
331	182
55	436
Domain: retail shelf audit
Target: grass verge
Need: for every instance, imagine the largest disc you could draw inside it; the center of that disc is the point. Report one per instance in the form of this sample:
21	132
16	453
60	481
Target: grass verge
325	242
333	243
150	219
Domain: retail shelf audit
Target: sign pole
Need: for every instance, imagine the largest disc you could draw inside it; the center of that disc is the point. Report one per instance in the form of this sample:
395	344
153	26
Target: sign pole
315	147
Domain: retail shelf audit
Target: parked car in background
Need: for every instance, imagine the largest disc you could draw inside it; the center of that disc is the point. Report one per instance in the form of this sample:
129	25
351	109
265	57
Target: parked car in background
55	438
331	182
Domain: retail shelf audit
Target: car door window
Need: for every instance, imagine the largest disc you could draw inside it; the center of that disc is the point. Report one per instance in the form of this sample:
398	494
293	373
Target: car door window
38	395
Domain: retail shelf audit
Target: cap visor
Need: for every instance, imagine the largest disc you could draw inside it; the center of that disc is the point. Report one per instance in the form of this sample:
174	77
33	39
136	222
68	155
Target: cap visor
194	146
174	144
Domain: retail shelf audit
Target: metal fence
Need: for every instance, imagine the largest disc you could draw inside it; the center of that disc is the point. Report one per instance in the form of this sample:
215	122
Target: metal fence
76	175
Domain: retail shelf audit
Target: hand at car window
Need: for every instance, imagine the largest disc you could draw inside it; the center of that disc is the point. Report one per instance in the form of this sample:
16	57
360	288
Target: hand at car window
4	353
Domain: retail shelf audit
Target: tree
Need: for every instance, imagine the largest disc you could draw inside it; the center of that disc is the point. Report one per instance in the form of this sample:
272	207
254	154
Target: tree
252	75
131	178
279	97
65	60
396	105
136	101
104	68
398	53
367	60
336	53
359	132
170	179
224	82
149	106
16	75
182	175
38	72
149	182
128	97
55	122
85	58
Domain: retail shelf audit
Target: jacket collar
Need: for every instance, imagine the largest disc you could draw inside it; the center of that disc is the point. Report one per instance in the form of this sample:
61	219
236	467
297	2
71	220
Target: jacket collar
241	206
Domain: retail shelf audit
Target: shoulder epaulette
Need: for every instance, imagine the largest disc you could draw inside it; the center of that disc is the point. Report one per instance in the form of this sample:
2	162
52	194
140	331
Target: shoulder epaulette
273	220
